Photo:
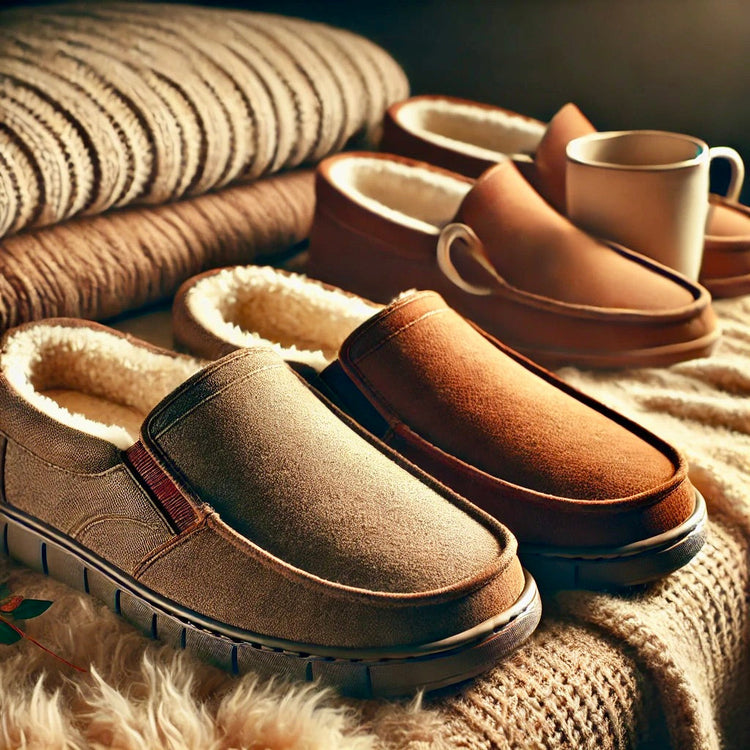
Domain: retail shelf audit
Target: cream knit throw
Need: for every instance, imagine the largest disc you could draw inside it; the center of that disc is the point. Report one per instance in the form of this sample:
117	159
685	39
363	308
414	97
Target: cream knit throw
108	105
663	667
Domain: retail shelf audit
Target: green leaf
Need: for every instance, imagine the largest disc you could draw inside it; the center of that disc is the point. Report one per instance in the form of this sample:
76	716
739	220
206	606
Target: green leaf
7	634
30	608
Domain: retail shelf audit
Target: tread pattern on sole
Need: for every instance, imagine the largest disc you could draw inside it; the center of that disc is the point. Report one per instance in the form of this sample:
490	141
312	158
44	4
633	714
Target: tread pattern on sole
616	572
361	678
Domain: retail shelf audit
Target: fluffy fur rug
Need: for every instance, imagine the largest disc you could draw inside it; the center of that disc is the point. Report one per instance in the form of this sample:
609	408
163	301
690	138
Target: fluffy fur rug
663	666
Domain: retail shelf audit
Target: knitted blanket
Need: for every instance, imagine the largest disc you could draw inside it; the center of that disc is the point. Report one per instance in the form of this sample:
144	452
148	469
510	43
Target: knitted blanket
107	105
99	266
171	114
663	666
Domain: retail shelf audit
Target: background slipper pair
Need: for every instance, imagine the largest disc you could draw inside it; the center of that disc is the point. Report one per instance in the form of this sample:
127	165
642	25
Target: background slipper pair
469	137
501	256
594	499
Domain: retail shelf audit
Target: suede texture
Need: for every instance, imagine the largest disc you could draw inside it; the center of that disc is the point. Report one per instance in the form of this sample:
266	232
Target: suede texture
538	250
725	270
365	252
282	468
260	595
327	537
558	468
109	512
726	256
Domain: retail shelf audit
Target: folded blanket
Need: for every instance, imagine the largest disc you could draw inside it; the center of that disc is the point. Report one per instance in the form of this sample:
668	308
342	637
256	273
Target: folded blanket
108	105
97	267
176	108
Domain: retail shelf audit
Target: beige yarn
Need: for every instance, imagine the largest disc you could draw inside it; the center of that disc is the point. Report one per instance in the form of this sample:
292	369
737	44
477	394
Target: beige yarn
105	105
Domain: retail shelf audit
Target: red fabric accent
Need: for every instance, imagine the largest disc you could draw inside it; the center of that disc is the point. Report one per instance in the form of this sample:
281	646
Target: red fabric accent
162	487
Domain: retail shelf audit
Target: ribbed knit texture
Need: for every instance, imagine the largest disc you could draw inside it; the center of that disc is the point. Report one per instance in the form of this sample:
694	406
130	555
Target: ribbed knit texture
97	267
106	105
669	665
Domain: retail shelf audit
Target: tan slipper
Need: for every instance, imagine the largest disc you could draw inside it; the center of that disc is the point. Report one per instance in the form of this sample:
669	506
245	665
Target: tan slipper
179	496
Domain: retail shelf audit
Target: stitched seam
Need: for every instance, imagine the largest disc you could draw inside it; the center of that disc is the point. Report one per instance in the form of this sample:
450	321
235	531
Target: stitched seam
168	546
111	470
213	395
312	581
398	331
87	524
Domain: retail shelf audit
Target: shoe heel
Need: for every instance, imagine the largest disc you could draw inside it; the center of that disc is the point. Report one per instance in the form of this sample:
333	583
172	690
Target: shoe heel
360	263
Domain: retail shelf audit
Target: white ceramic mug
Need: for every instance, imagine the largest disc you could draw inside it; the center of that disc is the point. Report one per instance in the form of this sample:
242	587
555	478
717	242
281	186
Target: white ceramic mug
647	190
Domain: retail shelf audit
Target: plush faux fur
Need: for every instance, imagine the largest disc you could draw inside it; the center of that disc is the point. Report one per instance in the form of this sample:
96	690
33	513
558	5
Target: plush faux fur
416	197
91	380
141	695
485	133
300	318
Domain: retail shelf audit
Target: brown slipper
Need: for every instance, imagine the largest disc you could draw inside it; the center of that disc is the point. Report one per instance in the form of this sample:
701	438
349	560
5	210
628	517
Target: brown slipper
595	500
179	496
469	137
501	256
726	254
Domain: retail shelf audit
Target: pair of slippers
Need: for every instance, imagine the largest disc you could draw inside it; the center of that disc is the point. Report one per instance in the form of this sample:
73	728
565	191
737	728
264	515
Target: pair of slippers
350	493
469	137
450	210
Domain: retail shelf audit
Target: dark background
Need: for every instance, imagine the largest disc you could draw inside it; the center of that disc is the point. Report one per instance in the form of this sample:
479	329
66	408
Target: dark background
680	65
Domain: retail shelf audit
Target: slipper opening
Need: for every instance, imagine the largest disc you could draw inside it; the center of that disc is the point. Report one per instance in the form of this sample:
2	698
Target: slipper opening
301	319
483	132
91	380
413	196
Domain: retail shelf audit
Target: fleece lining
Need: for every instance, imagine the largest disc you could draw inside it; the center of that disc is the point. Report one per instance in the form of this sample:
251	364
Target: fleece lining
301	319
90	380
416	197
476	131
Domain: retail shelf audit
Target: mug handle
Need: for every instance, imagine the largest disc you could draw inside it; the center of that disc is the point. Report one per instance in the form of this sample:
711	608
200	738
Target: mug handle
737	165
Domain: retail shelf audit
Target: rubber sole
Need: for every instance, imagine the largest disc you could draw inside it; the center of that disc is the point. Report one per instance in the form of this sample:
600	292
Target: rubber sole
362	673
658	356
730	286
614	568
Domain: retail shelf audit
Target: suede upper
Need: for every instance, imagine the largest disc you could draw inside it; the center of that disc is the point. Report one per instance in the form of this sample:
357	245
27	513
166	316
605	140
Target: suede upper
541	252
725	269
281	469
251	502
726	259
558	467
461	400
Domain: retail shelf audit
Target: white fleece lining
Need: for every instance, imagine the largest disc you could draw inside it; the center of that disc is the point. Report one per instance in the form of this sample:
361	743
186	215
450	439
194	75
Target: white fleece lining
484	133
107	373
298	317
415	197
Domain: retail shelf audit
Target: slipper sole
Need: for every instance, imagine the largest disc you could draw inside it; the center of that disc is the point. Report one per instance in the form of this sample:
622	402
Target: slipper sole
658	356
362	673
613	568
729	286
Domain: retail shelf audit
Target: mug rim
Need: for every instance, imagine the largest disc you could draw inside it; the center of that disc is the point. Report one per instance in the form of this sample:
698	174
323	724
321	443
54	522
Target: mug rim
576	158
